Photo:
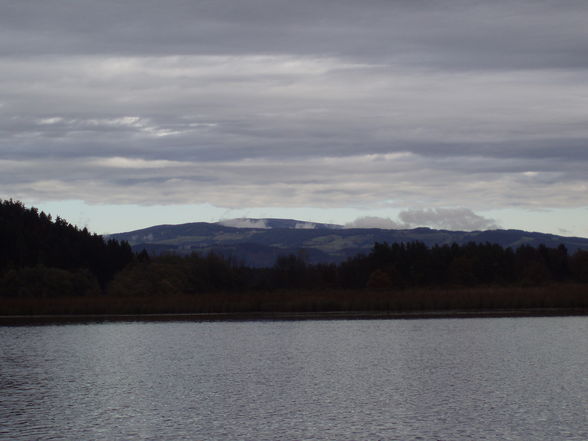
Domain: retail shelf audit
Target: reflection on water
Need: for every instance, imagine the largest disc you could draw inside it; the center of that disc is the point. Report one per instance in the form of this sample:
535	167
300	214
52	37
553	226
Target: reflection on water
451	380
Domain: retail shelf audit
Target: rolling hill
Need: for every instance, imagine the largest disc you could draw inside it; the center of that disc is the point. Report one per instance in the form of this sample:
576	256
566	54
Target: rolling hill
258	242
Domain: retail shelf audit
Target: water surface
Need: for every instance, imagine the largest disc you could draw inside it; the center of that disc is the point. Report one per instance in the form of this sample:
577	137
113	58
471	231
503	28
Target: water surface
446	379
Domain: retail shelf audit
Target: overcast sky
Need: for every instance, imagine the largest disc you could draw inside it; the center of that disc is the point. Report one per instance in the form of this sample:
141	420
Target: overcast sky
452	114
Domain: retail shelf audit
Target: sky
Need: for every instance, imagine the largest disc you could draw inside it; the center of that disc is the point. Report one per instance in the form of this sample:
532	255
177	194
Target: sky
456	114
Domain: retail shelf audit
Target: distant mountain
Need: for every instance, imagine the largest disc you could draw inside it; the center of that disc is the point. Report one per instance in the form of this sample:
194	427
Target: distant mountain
258	242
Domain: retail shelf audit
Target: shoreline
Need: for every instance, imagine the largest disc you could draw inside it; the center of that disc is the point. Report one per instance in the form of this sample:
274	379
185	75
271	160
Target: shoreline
39	319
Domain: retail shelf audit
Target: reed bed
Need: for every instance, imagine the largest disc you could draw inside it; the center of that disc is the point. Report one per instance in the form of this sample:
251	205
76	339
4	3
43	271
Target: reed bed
564	296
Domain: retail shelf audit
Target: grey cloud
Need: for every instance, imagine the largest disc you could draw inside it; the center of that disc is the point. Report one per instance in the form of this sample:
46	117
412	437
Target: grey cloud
443	218
305	226
454	34
360	181
447	218
244	223
323	109
374	222
299	103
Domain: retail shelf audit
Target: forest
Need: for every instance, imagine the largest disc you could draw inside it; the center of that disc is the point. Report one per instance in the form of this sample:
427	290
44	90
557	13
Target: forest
52	267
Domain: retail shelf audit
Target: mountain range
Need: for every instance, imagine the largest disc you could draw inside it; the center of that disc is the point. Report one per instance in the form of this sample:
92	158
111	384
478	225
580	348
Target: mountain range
259	242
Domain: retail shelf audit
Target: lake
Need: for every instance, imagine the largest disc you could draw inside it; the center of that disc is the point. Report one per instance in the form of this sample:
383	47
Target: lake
438	379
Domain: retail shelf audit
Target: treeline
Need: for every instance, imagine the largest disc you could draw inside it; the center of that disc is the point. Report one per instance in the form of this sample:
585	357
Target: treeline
40	256
414	264
398	266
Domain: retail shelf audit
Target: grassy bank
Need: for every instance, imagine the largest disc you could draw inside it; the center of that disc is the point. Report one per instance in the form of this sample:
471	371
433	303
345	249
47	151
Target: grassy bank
559	296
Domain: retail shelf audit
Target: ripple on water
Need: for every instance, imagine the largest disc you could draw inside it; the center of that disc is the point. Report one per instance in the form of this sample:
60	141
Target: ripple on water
467	379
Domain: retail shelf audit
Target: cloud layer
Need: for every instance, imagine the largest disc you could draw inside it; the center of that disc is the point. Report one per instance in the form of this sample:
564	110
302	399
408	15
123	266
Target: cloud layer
461	219
273	103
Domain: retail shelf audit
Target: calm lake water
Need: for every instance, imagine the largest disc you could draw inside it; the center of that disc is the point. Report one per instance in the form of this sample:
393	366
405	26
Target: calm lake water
442	379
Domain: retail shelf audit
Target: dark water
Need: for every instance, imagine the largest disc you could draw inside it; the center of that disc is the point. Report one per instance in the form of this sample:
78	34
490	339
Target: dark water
451	380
